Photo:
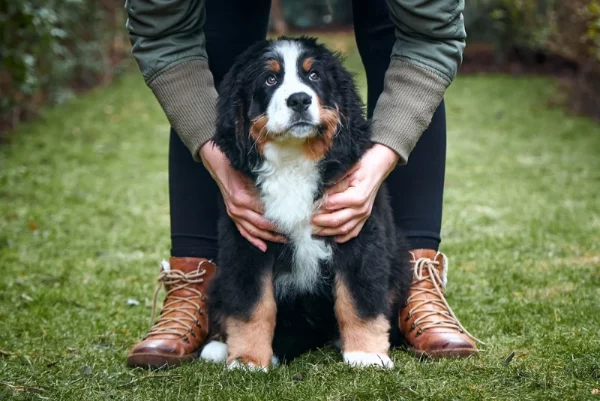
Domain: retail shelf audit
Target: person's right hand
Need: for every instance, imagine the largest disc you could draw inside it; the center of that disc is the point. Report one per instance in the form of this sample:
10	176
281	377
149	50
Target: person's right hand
241	198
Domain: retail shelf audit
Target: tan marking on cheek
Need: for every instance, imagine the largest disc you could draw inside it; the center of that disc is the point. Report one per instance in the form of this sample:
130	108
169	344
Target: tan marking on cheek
359	335
273	65
307	64
315	148
258	131
251	340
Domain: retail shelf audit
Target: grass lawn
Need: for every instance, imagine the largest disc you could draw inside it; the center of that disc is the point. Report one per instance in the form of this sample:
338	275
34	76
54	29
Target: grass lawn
84	224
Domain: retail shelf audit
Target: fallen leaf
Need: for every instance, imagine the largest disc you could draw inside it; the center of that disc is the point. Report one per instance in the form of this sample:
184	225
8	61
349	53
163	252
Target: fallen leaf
19	389
509	358
87	370
596	391
133	302
32	226
5	353
26	297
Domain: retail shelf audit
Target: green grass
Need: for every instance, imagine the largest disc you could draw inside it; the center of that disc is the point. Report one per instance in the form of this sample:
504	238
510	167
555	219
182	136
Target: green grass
84	223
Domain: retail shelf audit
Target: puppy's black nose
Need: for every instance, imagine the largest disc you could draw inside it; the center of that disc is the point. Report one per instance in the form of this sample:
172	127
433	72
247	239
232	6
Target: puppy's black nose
299	101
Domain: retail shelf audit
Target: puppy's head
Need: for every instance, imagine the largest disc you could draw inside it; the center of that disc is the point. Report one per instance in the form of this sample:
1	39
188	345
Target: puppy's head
291	90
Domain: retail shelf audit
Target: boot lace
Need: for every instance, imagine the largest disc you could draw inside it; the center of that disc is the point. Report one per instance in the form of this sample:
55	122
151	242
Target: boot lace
427	319
179	325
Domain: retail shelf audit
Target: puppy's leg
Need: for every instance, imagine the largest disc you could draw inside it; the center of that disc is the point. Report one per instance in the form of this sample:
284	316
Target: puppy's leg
364	337
249	339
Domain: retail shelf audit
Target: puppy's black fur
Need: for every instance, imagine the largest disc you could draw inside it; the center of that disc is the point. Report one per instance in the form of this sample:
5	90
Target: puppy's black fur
374	265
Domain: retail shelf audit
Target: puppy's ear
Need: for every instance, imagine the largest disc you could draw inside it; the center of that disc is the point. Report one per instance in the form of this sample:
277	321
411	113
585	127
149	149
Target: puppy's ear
232	121
343	81
235	95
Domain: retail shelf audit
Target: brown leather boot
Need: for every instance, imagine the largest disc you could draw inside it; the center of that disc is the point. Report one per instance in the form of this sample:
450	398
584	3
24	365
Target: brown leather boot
182	327
427	322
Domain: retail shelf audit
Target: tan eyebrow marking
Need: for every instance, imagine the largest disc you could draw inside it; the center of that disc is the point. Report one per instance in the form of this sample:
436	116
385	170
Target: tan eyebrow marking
307	64
273	65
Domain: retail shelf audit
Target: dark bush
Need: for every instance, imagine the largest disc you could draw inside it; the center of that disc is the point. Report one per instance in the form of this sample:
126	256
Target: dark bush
568	29
51	49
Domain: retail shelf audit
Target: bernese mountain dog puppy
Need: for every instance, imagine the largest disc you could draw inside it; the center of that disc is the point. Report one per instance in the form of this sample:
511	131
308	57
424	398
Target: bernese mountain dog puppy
290	118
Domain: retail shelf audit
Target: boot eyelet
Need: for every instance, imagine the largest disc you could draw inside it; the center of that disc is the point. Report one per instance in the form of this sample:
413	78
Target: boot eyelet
407	318
186	339
412	327
419	332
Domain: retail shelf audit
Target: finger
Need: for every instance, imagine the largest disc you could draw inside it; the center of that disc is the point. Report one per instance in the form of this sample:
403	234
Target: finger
334	219
261	245
340	239
261	234
340	186
344	229
258	220
352	197
245	200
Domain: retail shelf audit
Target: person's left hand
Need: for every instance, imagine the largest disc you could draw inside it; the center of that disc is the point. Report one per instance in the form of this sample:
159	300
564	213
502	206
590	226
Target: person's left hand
348	203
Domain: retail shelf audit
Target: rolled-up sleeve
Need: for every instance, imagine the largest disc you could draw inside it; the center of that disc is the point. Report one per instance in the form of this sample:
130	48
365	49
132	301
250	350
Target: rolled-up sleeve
169	46
430	39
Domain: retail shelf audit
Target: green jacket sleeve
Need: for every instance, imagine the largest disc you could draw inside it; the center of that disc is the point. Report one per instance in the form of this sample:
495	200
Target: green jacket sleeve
430	39
168	44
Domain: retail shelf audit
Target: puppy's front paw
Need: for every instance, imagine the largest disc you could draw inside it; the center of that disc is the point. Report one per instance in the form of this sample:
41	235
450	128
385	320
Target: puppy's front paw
245	365
365	359
214	351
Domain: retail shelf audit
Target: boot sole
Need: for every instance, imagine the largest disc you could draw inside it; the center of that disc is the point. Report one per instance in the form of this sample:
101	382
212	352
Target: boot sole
453	353
158	361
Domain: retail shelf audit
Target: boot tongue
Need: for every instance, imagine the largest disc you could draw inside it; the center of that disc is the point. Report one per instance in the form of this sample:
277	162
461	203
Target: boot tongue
175	280
438	267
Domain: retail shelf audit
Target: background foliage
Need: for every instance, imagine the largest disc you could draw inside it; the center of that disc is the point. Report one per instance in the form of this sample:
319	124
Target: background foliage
538	29
51	49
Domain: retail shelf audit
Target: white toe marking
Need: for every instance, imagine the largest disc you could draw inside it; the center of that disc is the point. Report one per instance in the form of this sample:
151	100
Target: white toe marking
214	351
250	367
364	359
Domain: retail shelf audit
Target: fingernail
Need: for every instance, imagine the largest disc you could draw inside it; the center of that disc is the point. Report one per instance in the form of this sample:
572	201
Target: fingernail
263	247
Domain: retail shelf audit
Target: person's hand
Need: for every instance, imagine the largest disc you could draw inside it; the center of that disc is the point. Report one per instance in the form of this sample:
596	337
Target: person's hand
241	198
348	203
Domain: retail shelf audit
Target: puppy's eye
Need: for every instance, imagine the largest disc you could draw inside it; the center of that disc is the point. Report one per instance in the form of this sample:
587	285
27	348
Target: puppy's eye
271	80
313	76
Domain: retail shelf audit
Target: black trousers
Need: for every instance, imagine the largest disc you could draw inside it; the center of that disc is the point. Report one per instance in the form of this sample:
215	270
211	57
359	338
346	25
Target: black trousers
416	189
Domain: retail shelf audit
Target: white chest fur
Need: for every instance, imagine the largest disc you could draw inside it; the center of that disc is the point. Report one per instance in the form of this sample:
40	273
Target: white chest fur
289	182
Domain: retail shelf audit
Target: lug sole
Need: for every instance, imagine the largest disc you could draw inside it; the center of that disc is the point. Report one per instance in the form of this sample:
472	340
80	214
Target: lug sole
158	361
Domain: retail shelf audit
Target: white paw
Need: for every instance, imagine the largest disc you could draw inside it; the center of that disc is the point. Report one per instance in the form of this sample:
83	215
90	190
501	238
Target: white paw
214	351
246	366
274	361
365	359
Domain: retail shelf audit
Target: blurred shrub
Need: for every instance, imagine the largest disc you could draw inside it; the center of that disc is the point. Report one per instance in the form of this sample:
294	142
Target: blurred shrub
317	14
569	29
53	48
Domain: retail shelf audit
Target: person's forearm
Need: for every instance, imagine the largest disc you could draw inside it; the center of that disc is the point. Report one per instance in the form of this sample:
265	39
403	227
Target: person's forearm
430	40
169	45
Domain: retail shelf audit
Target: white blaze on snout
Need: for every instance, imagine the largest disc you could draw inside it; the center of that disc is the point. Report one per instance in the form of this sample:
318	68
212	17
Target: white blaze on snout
278	113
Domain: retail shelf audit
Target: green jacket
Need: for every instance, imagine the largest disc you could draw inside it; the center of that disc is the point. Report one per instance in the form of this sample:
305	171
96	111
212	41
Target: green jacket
169	46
